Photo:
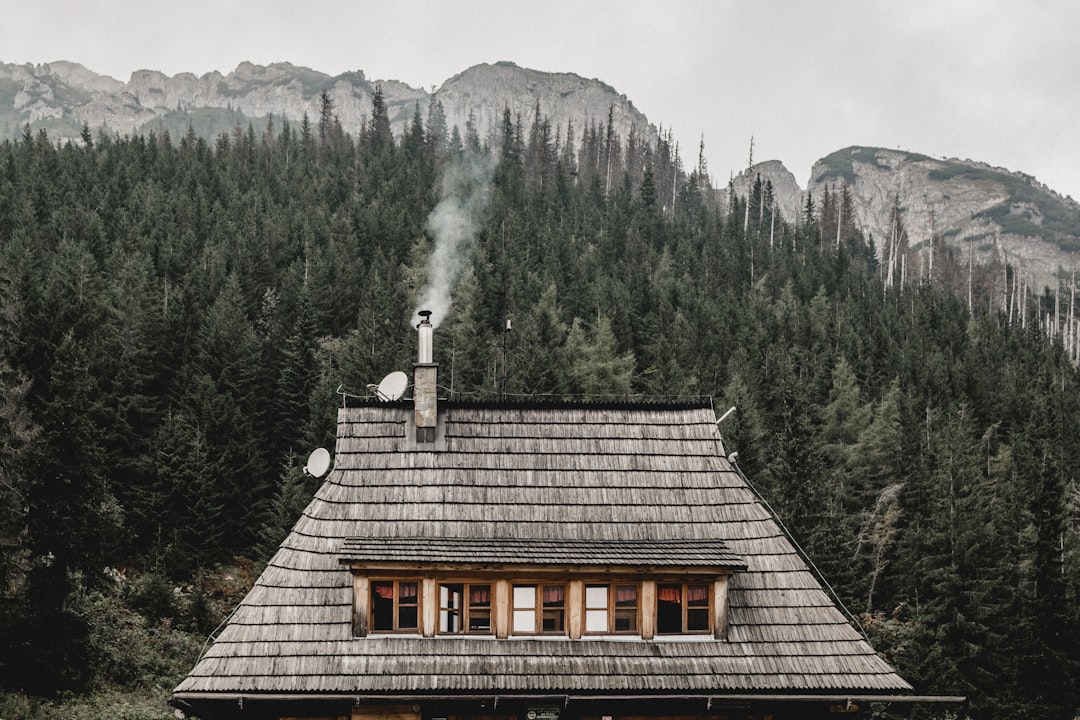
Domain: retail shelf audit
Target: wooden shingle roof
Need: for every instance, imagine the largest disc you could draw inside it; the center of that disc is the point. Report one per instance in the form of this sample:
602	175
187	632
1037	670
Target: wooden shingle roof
543	551
585	482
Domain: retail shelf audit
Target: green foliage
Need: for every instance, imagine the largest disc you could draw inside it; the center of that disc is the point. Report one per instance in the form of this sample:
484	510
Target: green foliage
1028	208
106	705
840	164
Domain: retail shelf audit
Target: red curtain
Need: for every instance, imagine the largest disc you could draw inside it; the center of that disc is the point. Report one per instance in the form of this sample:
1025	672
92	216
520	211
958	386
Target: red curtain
479	594
625	593
697	593
385	590
669	593
553	594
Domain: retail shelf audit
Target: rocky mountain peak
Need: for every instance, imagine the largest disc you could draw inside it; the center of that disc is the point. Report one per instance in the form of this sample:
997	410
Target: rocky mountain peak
486	90
962	204
786	190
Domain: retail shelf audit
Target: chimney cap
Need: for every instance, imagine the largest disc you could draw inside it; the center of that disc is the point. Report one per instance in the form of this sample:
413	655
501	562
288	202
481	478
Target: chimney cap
425	316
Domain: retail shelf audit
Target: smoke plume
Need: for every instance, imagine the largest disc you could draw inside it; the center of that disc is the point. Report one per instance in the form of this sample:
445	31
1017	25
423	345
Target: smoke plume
454	224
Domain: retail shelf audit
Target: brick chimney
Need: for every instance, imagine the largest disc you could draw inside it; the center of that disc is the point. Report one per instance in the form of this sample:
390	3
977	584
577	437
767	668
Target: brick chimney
425	383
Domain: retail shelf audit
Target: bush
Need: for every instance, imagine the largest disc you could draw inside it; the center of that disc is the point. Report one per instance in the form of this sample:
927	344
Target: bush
129	651
98	706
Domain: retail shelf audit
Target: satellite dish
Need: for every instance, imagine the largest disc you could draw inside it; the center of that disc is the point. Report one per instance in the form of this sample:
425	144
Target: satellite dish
318	462
392	386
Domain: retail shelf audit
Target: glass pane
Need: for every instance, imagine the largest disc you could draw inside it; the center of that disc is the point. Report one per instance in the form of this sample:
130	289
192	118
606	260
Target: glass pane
407	593
382	606
451	595
407	616
480	596
626	600
524	596
669	609
625	620
669	593
596	596
449	621
596	621
524	621
554	595
697	595
697	620
553	621
479	620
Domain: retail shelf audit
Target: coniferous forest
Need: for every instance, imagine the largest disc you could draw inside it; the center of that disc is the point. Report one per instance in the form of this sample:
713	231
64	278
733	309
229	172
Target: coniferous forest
181	317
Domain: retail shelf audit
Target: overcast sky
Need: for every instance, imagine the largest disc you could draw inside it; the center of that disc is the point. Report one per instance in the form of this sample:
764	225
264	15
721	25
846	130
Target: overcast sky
991	80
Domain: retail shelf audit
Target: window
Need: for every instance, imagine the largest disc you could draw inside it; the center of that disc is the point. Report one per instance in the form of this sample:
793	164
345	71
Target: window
682	608
539	609
601	606
465	607
611	609
395	605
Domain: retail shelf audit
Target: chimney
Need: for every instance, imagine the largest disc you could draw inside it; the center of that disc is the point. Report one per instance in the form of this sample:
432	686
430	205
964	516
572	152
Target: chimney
425	383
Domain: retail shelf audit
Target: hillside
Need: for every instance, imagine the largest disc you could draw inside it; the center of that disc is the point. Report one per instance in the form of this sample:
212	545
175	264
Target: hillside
968	205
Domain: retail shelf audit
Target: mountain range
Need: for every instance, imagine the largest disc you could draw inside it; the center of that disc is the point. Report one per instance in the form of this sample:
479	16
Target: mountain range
964	204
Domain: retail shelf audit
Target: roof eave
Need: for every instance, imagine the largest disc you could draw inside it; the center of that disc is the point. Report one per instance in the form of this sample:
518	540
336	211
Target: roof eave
831	697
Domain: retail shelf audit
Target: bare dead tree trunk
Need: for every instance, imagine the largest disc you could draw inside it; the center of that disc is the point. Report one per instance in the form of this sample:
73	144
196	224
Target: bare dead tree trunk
971	309
772	227
1023	301
1057	309
749	187
932	249
1072	304
839	220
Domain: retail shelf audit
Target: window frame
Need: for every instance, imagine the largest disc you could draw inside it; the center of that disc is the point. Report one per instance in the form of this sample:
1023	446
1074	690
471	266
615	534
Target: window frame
537	608
397	605
466	611
685	607
612	609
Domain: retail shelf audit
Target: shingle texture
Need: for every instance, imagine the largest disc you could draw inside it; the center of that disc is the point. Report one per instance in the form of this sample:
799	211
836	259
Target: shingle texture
543	551
580	481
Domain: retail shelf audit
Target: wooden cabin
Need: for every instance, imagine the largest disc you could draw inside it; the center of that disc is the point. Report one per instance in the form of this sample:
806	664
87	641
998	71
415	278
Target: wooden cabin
535	562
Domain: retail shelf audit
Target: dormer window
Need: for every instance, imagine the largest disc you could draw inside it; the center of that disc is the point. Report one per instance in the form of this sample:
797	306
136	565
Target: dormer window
611	609
682	608
395	606
512	587
539	609
465	608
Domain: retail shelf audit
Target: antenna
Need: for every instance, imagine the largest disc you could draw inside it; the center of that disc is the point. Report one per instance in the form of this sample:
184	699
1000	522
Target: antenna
393	386
318	462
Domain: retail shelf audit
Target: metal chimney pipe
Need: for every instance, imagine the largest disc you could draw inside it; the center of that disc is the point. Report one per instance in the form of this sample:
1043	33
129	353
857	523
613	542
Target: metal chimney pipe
425	330
425	384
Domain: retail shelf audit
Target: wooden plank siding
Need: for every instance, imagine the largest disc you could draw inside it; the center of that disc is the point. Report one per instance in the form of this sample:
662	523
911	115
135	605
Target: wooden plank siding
570	477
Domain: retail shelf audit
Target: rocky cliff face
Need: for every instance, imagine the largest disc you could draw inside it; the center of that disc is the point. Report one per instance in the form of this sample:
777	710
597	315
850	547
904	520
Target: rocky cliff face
68	95
786	191
963	204
61	96
563	98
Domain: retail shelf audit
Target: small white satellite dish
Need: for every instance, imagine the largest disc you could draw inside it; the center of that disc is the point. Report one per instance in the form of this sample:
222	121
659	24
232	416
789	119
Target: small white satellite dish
318	462
392	386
